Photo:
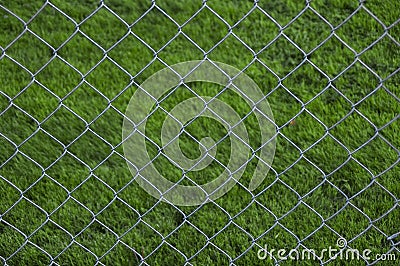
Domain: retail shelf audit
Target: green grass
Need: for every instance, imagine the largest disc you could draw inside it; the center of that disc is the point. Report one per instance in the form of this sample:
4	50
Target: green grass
67	194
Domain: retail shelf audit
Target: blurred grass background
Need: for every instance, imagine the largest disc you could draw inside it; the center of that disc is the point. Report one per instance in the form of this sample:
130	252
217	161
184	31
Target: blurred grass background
70	71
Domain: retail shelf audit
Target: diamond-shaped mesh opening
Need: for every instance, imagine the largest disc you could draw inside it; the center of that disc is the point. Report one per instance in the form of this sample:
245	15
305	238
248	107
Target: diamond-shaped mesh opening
16	125
131	54
90	149
166	254
8	149
283	103
230	50
11	84
210	255
206	29
283	12
351	178
197	130
187	51
25	216
377	155
97	239
306	82
328	154
76	9
114	172
22	9
59	77
81	53
233	246
264	78
326	200
209	226
353	131
11	240
335	11
304	136
155	29
72	217
128	12
28	254
308	40
360	30
302	177
332	57
235	200
64	125
255	220
383	57
246	28
43	148
93	194
108	126
277	206
21	171
302	221
118	216
188	240
386	11
76	253
163	214
329	100
47	194
113	79
86	102
380	108
133	194
11	27
32	61
104	28
7	189
231	12
344	223
383	201
356	83
143	239
281	61
37	101
52	26
51	238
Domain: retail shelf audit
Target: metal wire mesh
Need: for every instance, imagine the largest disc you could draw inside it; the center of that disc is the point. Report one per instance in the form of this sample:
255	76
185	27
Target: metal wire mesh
22	197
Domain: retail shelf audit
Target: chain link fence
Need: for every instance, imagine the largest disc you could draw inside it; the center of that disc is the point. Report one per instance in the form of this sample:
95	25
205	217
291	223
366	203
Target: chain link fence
328	69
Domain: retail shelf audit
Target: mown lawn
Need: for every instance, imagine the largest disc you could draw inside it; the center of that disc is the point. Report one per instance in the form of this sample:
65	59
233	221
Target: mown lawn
68	72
